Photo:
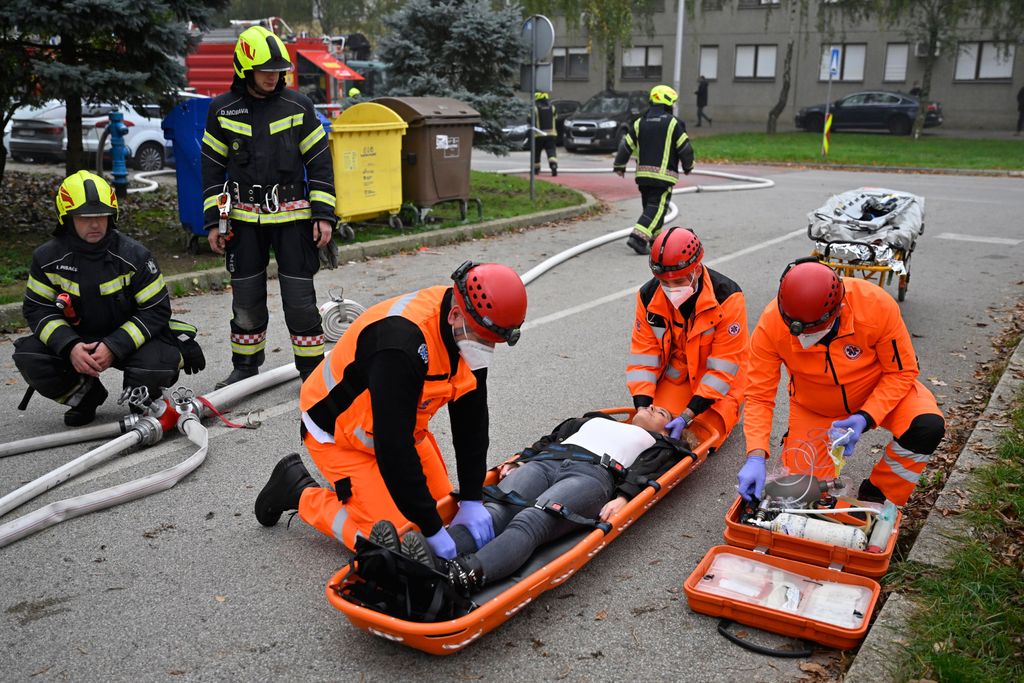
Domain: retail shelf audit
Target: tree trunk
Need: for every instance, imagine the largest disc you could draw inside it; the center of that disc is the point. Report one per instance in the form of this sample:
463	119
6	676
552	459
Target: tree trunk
609	65
780	105
72	111
926	89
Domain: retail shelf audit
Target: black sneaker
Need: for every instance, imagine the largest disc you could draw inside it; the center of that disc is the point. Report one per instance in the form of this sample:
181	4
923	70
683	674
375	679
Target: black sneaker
237	375
282	491
638	244
415	547
466	574
385	535
85	412
554	171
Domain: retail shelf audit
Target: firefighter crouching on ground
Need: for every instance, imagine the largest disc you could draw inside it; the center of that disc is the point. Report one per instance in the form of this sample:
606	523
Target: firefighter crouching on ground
851	365
95	299
366	412
266	162
659	140
543	119
688	352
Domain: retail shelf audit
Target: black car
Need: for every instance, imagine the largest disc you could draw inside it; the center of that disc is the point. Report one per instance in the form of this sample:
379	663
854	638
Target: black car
872	110
516	132
602	120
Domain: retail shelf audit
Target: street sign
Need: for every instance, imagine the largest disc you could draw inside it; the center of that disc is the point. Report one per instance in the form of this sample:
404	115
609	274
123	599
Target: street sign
543	82
539	36
833	69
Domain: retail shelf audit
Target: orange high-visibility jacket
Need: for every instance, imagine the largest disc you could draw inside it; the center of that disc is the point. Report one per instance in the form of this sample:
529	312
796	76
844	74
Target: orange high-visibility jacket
334	399
869	366
708	354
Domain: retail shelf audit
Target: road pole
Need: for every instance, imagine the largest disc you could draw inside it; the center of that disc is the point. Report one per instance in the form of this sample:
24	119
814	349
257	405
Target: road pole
678	72
533	103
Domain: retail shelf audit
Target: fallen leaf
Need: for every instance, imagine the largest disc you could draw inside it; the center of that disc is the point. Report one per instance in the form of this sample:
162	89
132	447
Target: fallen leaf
220	598
811	667
601	616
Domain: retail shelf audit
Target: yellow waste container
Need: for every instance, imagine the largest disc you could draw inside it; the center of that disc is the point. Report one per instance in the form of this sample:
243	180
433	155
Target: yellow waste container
366	146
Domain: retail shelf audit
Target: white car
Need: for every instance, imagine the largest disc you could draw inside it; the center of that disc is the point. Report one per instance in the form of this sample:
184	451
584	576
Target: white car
144	143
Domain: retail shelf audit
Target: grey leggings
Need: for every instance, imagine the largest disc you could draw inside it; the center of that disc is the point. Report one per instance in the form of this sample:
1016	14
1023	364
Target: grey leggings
581	487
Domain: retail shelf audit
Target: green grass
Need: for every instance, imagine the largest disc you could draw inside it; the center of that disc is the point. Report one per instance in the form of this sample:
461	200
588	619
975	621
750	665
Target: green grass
863	149
970	623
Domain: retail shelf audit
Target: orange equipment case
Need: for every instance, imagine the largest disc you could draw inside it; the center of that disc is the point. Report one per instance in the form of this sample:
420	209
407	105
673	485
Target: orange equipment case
777	620
550	566
805	550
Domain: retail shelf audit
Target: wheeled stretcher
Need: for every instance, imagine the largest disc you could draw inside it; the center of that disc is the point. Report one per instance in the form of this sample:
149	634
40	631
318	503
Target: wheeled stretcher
550	566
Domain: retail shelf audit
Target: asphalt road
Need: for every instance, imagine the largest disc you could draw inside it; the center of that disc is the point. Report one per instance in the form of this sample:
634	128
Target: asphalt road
186	583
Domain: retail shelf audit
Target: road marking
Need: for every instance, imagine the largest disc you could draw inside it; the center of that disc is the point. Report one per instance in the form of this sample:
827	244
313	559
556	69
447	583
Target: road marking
972	238
564	313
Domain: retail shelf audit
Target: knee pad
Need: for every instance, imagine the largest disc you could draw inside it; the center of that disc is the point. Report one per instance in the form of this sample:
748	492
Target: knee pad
249	302
298	298
924	434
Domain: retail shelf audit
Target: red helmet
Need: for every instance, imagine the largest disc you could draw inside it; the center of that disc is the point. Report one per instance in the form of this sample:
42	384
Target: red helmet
494	298
676	252
810	294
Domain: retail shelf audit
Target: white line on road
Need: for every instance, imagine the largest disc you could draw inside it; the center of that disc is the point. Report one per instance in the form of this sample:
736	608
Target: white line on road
972	238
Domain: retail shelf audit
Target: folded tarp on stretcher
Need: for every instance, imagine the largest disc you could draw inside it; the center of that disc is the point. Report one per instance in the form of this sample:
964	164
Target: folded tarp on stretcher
550	566
889	219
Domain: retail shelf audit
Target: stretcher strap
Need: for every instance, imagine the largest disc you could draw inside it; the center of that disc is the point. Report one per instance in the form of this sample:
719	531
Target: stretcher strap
557	451
551	507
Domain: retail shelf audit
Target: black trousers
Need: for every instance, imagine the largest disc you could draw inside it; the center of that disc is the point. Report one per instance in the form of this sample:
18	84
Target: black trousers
655	199
154	366
545	143
248	254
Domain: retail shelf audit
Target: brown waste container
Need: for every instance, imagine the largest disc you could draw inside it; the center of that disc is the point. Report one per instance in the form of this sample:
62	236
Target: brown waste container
436	149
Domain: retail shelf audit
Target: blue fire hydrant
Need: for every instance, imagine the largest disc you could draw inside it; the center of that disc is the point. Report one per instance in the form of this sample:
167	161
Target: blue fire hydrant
117	130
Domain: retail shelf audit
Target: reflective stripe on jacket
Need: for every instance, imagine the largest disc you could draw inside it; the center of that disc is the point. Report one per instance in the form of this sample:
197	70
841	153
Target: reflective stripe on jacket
659	140
870	365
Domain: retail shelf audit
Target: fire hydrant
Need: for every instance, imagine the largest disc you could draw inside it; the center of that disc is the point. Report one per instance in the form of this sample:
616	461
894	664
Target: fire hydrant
117	130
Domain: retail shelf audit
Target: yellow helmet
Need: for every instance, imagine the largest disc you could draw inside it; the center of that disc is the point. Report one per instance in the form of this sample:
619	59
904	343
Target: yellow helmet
662	94
259	49
541	95
353	92
85	194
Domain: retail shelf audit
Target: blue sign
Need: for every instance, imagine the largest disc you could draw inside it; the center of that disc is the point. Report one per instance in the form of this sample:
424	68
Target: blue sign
833	69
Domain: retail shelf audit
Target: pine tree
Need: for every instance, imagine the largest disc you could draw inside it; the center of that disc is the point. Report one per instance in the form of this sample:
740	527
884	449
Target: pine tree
462	49
99	50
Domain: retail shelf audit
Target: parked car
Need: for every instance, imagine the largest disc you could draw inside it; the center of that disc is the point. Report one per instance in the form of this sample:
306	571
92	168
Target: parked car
517	132
37	133
872	110
602	120
145	146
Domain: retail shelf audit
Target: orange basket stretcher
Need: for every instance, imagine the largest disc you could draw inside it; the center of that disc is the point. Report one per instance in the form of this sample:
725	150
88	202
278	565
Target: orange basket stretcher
550	566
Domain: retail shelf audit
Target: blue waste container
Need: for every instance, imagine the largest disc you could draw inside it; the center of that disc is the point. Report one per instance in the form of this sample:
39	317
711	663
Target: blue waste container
184	127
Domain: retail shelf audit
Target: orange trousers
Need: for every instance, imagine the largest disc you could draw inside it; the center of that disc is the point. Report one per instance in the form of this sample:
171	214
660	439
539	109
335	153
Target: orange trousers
370	500
675	398
805	447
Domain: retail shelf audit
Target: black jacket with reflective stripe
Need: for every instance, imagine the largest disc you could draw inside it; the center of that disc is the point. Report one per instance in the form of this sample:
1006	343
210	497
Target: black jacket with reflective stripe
647	137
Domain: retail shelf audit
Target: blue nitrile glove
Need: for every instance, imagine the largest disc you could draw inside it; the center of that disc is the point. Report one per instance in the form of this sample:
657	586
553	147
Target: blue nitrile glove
858	424
474	516
442	544
675	427
751	477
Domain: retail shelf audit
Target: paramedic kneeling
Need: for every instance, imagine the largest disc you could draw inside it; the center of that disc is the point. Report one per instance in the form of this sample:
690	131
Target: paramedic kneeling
688	352
851	365
366	411
554	471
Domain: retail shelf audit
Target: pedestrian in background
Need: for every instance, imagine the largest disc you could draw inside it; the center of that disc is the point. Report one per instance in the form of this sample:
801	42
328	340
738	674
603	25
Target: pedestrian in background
1020	110
702	100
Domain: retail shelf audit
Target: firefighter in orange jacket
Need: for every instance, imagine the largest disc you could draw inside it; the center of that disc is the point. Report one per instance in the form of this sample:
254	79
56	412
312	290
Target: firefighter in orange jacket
851	366
689	347
367	407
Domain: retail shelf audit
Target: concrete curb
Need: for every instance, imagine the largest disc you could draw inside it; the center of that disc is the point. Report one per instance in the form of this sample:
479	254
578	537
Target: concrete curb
215	278
882	649
990	173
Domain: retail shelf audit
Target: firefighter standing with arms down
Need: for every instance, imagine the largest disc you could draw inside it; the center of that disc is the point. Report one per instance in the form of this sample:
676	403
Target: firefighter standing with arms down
659	140
96	299
852	367
268	183
366	412
546	140
688	351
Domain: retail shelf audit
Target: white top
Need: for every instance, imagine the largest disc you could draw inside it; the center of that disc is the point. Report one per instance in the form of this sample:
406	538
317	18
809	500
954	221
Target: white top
620	440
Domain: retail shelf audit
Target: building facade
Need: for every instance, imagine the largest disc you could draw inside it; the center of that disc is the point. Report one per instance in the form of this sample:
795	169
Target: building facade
740	47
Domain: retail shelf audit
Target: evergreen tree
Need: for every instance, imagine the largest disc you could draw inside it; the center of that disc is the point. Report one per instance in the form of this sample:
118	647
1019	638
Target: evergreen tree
462	49
101	50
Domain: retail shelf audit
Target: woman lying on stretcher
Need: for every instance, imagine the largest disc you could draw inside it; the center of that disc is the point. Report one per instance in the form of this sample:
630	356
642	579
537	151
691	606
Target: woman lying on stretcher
564	474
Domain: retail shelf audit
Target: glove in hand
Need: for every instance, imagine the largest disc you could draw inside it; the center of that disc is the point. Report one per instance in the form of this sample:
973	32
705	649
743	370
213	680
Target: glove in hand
329	255
751	477
442	544
192	357
675	427
858	424
474	516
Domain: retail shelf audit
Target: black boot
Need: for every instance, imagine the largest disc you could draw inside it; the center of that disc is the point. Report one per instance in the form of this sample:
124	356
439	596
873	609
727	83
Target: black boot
638	243
237	375
385	535
466	574
415	547
870	493
282	491
554	170
85	412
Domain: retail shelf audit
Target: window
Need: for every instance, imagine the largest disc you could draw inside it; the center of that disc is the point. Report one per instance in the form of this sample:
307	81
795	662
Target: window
641	63
570	63
984	61
896	62
851	62
709	62
755	61
755	4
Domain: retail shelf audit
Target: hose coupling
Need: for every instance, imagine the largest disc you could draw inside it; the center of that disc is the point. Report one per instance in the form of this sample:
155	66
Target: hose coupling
150	430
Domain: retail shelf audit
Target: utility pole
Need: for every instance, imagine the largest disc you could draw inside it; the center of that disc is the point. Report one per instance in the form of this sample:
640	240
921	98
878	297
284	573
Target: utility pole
678	73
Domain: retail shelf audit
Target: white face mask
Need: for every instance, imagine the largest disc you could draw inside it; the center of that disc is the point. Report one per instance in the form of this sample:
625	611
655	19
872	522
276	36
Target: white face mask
476	355
677	296
809	340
